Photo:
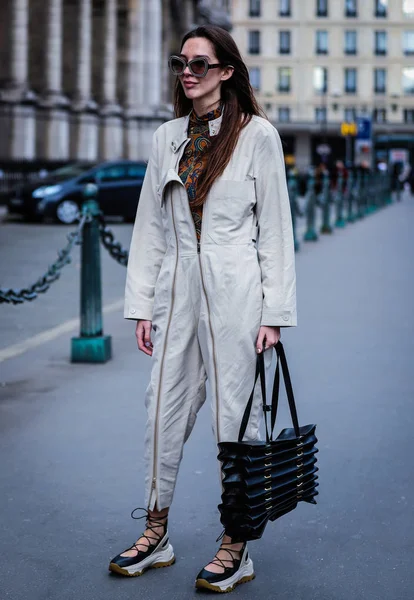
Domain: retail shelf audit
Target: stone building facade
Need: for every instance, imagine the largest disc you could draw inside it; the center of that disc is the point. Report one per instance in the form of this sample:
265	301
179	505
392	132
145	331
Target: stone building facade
317	63
88	79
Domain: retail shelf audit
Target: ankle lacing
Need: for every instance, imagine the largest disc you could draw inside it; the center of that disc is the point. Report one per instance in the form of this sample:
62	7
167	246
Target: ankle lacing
151	524
221	562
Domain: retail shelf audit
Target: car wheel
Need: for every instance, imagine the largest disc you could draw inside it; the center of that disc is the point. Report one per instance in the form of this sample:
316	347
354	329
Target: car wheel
67	212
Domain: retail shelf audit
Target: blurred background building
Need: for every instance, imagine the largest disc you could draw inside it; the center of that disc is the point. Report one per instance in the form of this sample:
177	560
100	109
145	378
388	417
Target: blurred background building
88	79
317	63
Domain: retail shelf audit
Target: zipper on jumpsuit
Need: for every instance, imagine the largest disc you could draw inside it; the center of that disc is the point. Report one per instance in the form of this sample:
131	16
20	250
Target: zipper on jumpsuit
153	495
211	333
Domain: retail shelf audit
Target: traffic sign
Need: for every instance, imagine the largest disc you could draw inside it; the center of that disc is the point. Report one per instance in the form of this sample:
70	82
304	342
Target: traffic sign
364	128
349	129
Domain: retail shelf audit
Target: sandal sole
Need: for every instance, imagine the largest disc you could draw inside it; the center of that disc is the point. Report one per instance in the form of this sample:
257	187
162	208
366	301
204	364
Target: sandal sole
114	568
203	584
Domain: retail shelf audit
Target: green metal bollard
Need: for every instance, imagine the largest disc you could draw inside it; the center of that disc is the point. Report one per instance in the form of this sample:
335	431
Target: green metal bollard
293	199
340	221
387	189
310	233
372	194
91	346
358	194
326	205
350	197
398	189
363	196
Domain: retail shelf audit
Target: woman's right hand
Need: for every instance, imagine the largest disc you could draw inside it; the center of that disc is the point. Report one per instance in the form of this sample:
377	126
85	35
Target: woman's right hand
143	335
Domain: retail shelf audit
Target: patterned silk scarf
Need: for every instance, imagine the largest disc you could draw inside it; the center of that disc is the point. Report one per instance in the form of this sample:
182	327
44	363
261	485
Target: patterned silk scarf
194	159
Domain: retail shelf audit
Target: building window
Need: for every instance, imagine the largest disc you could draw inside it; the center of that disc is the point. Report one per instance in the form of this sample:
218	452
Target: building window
380	115
285	79
408	8
350	115
350	42
284	42
254	42
380	43
321	8
254	8
284	8
381	8
408	115
380	81
408	80
408	42
321	42
351	8
255	77
320	114
284	114
350	81
320	80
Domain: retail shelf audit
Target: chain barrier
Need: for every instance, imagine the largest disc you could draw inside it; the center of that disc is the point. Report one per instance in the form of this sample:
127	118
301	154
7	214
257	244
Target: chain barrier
108	240
53	273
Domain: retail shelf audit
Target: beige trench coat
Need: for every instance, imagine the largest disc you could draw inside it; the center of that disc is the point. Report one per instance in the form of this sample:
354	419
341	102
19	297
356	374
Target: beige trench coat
207	300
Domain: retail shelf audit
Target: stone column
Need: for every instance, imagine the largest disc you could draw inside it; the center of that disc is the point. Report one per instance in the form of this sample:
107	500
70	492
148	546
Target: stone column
110	53
151	53
111	127
20	44
55	138
144	77
134	74
85	130
18	113
84	55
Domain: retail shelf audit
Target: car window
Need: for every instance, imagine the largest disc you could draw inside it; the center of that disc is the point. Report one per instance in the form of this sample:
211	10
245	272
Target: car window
136	171
110	174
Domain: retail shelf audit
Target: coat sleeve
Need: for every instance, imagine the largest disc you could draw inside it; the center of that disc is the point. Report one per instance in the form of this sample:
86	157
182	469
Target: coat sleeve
148	246
275	237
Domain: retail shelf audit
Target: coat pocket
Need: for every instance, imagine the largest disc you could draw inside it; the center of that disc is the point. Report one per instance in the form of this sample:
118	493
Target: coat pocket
231	211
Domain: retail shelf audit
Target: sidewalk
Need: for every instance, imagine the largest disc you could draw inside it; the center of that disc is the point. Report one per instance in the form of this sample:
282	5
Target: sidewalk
71	447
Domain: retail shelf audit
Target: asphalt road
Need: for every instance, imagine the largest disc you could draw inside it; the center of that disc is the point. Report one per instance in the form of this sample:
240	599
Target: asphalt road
71	435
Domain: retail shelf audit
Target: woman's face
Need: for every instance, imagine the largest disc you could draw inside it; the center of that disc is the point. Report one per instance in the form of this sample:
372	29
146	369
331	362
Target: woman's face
203	88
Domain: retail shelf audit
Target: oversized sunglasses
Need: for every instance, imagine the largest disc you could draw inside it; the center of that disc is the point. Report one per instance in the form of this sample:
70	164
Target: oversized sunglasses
198	67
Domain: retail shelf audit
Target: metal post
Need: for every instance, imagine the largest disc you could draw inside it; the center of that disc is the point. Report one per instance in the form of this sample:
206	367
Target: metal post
340	222
348	151
293	198
398	185
326	206
387	188
310	233
91	346
350	197
362	195
357	194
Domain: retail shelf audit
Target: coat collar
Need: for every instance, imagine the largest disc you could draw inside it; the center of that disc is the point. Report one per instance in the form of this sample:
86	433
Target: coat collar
181	135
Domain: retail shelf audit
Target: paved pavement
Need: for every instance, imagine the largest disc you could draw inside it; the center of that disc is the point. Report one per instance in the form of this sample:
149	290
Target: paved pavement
71	436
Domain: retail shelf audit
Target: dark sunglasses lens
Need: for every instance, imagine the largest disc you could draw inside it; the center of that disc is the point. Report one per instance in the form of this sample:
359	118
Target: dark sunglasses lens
177	66
198	67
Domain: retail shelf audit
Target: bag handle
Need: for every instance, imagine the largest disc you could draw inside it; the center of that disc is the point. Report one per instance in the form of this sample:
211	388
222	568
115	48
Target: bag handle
260	372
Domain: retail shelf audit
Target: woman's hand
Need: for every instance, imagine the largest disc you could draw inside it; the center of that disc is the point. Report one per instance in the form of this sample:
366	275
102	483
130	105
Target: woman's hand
269	334
143	335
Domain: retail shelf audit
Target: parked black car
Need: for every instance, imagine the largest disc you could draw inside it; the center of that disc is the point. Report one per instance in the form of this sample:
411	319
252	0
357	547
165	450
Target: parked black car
59	194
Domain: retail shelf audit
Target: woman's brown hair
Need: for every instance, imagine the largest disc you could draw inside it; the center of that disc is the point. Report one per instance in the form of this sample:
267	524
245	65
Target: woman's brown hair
239	105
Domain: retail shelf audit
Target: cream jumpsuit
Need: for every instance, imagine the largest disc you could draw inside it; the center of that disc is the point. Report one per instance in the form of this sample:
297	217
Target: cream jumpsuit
207	301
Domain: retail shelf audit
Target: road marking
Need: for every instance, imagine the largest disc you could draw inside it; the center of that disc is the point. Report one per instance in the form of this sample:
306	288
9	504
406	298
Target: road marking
51	334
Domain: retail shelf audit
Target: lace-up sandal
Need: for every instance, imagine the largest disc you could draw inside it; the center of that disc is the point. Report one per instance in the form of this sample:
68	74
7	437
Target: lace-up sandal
159	552
238	568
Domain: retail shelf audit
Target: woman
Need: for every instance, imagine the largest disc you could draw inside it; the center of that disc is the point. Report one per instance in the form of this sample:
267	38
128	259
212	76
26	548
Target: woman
211	277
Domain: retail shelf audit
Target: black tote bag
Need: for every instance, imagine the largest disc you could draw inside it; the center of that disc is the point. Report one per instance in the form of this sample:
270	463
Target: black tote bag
263	480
